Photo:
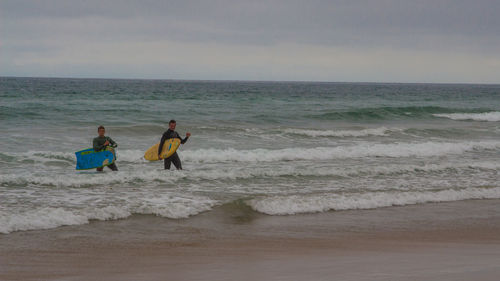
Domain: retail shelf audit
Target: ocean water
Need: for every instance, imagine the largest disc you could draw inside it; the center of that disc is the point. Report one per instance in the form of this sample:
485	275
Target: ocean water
279	148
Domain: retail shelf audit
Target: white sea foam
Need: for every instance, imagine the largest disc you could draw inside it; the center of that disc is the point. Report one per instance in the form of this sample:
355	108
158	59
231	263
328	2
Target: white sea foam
50	217
48	156
233	173
296	204
130	155
382	131
83	179
427	149
401	149
485	116
45	156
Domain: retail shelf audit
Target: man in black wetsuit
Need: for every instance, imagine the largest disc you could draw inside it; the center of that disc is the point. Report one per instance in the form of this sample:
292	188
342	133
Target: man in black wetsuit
101	142
171	134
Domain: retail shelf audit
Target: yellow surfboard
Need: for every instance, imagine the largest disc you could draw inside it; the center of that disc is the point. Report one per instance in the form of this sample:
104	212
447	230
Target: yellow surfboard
169	147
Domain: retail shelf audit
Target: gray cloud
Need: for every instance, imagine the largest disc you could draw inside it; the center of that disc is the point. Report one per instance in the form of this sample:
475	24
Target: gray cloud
43	29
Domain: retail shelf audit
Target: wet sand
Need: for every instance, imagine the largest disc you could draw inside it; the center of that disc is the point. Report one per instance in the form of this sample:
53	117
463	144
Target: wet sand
445	241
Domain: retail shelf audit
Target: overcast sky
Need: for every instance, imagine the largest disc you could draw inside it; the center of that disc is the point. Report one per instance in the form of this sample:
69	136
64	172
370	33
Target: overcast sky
335	40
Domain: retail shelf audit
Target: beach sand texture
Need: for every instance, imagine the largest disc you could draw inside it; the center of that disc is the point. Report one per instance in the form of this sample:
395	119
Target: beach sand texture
445	241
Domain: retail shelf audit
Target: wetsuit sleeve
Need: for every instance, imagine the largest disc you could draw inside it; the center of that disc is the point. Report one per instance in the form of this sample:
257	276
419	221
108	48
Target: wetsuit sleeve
183	140
97	146
163	139
112	142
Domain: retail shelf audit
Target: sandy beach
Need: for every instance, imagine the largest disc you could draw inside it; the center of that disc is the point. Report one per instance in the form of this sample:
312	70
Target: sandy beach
445	241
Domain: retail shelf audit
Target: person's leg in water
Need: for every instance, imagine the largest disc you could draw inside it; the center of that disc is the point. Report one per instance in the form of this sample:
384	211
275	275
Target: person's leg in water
167	162
113	167
173	159
177	161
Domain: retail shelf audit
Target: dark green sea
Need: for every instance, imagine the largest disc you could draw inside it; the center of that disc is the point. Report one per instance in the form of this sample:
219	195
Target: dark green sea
278	148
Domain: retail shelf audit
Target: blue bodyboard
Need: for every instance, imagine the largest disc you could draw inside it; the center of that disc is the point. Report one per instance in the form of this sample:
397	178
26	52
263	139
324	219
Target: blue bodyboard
89	159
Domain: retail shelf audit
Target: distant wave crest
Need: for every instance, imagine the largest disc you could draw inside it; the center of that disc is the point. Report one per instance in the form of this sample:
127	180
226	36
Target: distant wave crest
382	131
485	116
383	113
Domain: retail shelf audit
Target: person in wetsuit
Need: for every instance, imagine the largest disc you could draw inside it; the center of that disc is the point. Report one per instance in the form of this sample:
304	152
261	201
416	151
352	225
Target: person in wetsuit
101	142
171	134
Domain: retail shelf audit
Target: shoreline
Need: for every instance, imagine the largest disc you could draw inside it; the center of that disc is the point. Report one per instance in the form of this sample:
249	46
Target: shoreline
436	241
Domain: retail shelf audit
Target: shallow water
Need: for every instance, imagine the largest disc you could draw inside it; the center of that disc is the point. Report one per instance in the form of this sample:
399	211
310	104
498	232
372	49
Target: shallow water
278	148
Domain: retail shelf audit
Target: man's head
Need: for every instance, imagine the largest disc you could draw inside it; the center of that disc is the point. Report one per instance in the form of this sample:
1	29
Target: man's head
101	131
171	124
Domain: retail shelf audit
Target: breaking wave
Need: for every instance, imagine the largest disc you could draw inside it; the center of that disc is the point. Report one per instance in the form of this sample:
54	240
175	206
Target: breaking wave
426	149
398	149
51	217
296	204
145	176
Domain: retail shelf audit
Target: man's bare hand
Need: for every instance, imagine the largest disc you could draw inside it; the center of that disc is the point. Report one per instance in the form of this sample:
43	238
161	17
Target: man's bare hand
106	143
188	135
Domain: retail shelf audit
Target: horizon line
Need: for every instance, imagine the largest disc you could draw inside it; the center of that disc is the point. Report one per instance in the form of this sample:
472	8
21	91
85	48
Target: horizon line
254	81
